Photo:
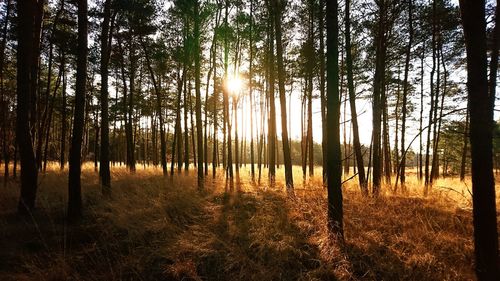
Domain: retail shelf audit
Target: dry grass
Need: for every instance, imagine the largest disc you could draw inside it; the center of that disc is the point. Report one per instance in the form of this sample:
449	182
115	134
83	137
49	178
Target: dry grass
163	228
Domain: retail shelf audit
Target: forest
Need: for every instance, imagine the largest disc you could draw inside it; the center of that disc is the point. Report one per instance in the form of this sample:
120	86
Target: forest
249	140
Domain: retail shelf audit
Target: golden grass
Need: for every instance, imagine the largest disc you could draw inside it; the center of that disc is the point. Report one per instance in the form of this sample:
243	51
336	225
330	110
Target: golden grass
163	228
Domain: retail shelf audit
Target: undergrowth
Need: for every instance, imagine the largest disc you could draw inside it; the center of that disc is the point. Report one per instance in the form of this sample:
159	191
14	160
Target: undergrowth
164	228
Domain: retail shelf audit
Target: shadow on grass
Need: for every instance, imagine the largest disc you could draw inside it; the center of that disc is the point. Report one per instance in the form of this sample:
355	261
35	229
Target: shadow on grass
251	238
401	238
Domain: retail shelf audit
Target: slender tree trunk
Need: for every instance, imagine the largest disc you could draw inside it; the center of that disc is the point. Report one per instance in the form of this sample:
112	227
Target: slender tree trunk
215	149
385	139
250	90
49	121
483	184
35	66
420	170
396	131
465	142
64	123
42	123
25	58
272	108
435	132
378	88
104	170
131	104
236	140
322	71
303	133
334	168
186	128
156	86
287	160
312	60
494	60
402	165
199	125
432	93
193	126
4	103
74	184
227	122
352	100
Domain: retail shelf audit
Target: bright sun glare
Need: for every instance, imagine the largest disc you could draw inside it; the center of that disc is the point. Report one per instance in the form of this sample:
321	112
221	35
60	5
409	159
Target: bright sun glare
234	84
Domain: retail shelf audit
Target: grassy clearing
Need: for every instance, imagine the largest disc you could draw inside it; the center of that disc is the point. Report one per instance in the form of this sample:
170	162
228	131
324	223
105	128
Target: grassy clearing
158	228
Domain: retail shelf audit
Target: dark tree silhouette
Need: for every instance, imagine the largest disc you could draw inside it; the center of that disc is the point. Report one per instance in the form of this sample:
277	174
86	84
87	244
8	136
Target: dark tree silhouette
75	169
104	171
483	184
333	161
25	57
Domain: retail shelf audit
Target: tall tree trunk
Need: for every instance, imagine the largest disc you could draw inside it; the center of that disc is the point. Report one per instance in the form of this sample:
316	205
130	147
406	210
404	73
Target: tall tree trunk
227	122
287	160
494	59
74	184
322	82
439	121
199	125
385	138
435	131
49	121
378	88
212	68
312	60
104	170
3	101
483	184
64	122
432	93
131	104
272	108
333	168
396	128
363	184
215	148
420	170
236	139
177	143
156	86
186	128
250	89
303	134
192	127
25	58
465	142
35	66
42	122
402	165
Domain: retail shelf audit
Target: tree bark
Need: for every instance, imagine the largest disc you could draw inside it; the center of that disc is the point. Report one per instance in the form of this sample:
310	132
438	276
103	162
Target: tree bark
199	125
272	108
483	184
156	86
250	89
287	161
74	184
25	58
333	168
104	170
378	84
363	184
322	82
402	165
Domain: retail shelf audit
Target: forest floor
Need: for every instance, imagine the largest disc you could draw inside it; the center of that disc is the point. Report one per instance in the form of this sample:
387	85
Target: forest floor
164	228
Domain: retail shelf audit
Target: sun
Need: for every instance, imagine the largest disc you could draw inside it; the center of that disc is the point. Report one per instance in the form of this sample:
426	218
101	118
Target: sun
234	84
